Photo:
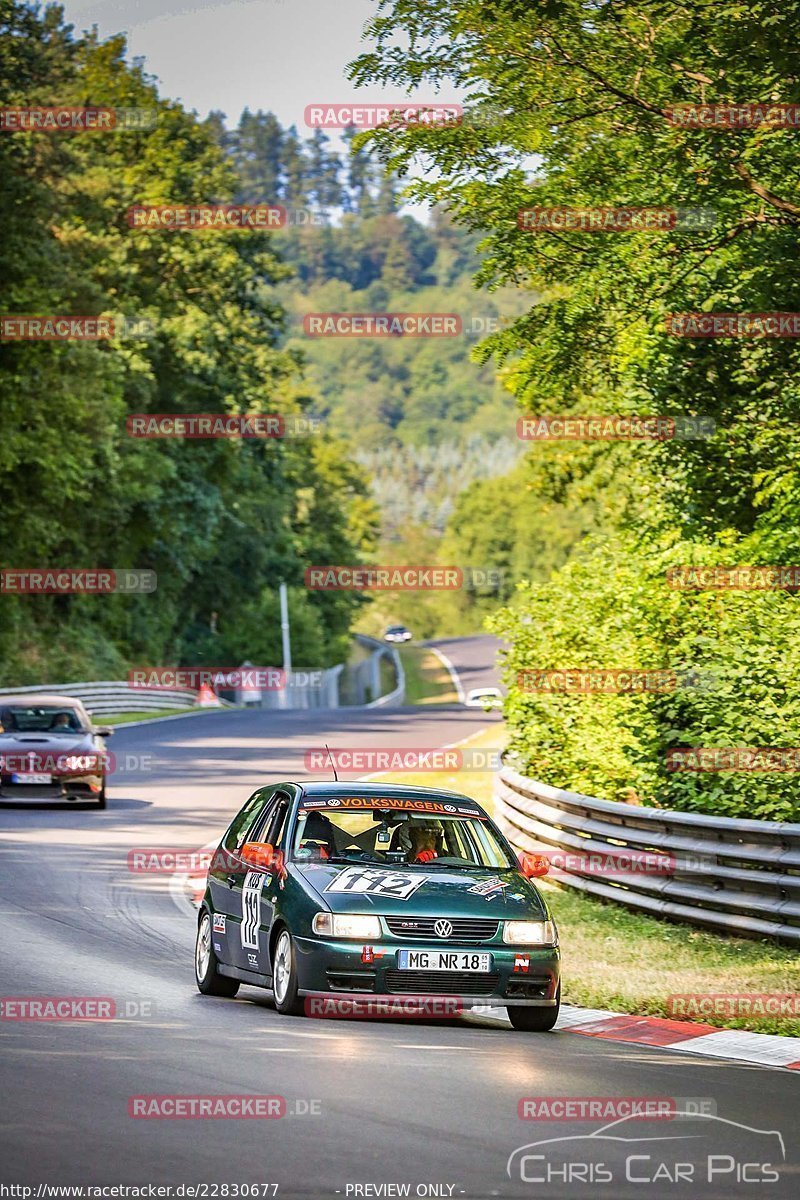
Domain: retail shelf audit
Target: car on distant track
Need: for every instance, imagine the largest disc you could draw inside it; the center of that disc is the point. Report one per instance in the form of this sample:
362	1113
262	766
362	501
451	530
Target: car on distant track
484	697
365	890
50	750
397	633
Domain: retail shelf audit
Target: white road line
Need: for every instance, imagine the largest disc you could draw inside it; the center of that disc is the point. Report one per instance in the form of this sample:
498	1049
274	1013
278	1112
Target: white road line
452	672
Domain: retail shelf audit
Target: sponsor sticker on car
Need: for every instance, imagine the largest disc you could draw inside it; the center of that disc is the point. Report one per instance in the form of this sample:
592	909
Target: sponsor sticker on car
488	887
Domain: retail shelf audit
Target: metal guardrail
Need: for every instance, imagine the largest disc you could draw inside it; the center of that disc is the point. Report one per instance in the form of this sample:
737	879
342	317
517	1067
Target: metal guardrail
113	696
398	694
735	876
371	683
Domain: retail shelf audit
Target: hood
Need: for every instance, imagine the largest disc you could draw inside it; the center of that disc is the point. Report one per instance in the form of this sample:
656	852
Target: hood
423	891
42	749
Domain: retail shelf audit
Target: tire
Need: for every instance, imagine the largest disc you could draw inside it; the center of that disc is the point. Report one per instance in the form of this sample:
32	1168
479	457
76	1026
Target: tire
534	1020
101	799
209	980
284	975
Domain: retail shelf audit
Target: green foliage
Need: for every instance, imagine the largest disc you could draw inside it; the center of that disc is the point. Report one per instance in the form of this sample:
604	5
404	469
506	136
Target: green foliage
568	108
735	656
220	522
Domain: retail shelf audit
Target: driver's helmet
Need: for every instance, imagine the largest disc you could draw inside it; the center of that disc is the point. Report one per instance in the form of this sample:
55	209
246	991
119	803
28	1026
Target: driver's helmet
429	824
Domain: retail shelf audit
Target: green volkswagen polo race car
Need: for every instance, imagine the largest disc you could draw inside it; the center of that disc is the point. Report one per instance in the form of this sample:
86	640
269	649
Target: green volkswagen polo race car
379	891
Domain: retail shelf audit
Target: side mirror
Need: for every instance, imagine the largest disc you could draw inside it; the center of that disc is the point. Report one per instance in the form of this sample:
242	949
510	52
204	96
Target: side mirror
263	856
533	866
104	731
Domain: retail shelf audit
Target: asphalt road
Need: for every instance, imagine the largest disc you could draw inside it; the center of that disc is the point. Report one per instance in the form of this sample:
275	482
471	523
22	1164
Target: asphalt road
474	658
428	1105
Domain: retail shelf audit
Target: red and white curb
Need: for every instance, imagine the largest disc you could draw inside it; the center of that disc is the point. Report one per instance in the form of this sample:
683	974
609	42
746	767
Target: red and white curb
692	1037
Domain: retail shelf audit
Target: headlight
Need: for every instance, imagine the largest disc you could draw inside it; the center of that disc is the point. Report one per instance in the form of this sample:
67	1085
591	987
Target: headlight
530	933
335	925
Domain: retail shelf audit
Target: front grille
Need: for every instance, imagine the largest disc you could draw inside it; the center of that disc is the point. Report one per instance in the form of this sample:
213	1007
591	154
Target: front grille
466	930
441	983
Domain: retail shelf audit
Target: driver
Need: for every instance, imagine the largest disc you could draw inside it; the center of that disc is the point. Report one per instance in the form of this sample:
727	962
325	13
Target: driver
425	841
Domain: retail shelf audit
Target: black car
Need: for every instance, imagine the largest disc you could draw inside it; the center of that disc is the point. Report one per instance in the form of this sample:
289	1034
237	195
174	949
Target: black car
49	750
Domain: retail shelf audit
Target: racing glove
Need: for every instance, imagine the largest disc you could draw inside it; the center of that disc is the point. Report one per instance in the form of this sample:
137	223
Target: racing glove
426	856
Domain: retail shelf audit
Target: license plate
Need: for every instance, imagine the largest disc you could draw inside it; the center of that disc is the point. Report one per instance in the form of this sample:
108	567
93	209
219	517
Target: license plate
443	960
28	777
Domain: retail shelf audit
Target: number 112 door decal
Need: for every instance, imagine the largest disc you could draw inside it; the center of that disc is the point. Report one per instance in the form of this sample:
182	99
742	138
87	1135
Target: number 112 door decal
251	908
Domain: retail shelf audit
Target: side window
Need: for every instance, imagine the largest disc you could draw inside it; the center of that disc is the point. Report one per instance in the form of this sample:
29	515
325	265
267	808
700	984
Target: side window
245	820
272	823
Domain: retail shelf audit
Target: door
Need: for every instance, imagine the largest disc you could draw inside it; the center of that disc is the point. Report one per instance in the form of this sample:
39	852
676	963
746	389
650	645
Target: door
231	884
262	888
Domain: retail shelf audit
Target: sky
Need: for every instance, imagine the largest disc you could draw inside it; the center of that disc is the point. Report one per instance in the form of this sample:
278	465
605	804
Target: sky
277	55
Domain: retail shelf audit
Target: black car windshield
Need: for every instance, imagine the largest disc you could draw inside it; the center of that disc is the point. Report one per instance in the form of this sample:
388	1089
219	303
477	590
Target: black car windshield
442	841
45	718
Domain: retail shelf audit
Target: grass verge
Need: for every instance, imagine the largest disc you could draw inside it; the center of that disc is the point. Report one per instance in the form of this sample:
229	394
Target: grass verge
427	679
622	960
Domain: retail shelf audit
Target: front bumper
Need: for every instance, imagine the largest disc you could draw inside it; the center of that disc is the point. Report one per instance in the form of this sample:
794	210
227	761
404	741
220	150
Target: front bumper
74	789
519	975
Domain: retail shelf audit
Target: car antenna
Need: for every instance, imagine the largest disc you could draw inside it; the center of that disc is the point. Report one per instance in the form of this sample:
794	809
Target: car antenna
333	764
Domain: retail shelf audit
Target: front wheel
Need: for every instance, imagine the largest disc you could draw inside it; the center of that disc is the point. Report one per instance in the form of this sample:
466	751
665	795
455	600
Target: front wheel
534	1020
284	975
209	980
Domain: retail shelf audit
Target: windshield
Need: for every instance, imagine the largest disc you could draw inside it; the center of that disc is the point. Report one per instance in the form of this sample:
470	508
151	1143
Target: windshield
420	840
41	719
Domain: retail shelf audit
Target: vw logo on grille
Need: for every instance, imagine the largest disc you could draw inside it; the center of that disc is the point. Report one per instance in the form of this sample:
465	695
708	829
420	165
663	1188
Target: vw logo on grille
443	929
